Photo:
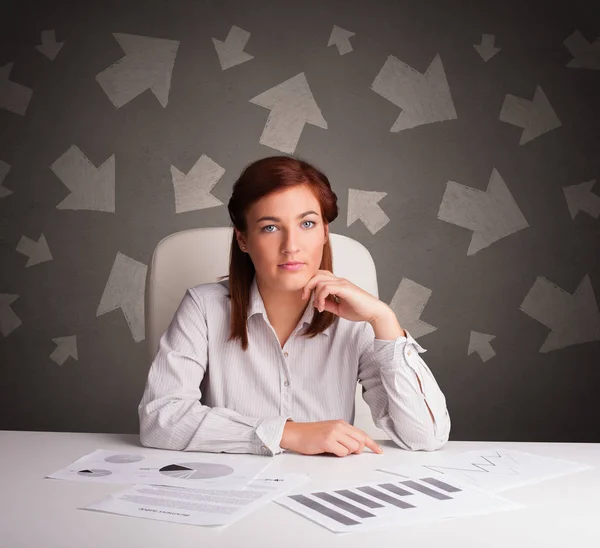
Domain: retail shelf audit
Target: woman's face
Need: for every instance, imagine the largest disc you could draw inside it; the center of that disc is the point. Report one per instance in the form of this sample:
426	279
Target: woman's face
283	227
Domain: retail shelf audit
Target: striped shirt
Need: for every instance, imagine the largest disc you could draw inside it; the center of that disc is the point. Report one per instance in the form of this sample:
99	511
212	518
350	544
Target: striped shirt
204	393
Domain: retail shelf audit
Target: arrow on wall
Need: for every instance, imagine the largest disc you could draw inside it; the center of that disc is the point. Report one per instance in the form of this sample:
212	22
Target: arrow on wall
423	98
50	47
585	54
4	169
486	49
363	205
408	303
573	319
65	347
125	290
38	252
581	198
491	214
13	97
536	117
341	39
148	64
91	188
231	52
292	105
9	321
480	343
192	191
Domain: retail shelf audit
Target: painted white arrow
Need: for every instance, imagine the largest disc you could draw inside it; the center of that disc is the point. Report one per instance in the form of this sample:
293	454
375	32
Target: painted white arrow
50	47
480	343
9	321
292	105
192	191
362	204
535	117
66	346
408	304
125	290
423	98
573	319
91	188
486	49
13	97
231	52
581	198
4	169
585	55
38	252
492	214
148	64
341	39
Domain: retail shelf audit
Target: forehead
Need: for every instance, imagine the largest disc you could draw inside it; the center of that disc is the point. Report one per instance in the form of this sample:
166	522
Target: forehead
286	203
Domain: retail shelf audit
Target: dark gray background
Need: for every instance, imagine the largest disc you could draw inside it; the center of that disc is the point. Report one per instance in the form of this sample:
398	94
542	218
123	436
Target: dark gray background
520	394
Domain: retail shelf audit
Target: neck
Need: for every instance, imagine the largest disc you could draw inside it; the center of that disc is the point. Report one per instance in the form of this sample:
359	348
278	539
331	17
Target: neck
283	307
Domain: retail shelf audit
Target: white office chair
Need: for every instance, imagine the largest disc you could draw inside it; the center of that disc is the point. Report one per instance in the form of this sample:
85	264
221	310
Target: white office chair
201	255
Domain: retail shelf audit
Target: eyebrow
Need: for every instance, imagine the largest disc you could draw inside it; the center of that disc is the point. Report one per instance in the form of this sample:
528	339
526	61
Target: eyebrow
277	219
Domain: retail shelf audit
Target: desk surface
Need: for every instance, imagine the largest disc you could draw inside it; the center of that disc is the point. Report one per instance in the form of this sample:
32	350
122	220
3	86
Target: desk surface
38	512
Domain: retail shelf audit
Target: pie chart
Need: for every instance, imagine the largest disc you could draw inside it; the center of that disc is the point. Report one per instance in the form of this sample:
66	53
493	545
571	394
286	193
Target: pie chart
196	470
94	473
123	459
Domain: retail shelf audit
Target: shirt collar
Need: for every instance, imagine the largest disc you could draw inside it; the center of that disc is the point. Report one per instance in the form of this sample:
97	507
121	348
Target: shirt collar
257	306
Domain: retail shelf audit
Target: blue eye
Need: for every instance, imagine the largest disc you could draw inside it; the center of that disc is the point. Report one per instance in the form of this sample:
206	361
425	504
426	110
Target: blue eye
310	222
265	227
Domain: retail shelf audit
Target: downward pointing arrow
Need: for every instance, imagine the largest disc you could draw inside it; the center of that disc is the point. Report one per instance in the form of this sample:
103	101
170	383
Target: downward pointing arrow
292	105
480	343
341	39
192	191
90	188
38	252
535	117
4	169
148	64
9	321
581	198
573	319
66	346
50	47
231	52
362	204
486	49
423	98
125	290
492	214
13	97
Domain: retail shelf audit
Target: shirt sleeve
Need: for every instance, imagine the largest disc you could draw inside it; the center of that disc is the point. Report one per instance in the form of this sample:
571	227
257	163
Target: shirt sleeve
389	372
170	413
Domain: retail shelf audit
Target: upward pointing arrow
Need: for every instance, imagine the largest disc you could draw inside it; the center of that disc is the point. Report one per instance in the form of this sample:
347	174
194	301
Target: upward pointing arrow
148	64
50	47
341	39
231	52
581	198
363	205
65	347
292	105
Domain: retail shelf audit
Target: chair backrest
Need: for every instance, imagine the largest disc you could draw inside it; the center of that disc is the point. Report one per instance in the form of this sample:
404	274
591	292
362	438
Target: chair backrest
201	255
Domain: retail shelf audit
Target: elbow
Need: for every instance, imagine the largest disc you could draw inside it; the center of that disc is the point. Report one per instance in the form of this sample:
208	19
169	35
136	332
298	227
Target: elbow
432	438
154	432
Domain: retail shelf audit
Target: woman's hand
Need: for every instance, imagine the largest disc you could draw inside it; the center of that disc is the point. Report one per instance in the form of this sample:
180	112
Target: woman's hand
336	436
343	298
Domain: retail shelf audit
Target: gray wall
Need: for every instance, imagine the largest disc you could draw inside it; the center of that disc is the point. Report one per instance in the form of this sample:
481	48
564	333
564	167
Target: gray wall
501	288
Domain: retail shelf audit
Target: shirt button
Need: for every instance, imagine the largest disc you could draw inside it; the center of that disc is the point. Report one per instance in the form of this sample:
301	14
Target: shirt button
264	448
286	354
286	383
409	352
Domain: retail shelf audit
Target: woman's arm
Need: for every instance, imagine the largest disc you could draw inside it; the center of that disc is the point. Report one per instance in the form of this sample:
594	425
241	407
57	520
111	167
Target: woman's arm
170	413
400	389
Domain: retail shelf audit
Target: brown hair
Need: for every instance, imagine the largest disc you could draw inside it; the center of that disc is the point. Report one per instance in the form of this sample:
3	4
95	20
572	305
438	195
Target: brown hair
257	180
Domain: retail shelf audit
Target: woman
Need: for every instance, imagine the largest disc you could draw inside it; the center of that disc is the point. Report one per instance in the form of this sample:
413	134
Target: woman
269	359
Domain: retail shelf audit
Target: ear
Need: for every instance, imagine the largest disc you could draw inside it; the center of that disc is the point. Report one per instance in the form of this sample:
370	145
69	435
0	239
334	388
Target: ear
240	238
326	231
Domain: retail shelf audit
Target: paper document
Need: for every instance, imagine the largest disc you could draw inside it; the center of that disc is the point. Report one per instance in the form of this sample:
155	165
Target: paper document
204	506
176	470
392	503
496	469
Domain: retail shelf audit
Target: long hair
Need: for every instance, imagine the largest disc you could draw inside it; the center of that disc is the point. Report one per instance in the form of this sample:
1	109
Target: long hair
257	180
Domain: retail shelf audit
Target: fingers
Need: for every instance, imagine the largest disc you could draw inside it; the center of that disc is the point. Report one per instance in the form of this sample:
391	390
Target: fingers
323	290
362	438
319	276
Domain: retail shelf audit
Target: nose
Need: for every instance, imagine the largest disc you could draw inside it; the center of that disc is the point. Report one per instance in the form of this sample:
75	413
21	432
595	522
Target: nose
290	243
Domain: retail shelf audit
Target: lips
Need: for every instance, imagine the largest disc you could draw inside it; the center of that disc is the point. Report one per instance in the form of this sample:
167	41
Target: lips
293	263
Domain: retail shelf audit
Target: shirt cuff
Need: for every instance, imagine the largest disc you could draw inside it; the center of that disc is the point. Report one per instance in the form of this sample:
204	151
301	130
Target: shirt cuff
268	434
386	349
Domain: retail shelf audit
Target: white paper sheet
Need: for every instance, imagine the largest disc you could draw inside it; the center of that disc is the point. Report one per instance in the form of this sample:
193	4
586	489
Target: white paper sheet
176	470
392	503
204	506
495	470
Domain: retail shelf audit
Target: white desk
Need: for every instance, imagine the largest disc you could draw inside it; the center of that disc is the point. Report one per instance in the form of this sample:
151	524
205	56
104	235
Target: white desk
42	513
